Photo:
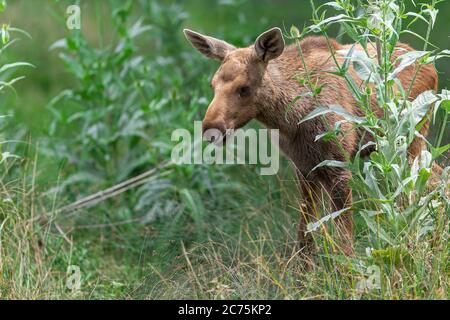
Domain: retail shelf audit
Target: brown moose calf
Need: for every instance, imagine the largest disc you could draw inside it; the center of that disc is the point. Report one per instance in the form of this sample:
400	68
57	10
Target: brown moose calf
260	82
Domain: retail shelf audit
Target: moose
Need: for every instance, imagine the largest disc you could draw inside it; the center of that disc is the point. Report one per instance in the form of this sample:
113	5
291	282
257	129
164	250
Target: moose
261	82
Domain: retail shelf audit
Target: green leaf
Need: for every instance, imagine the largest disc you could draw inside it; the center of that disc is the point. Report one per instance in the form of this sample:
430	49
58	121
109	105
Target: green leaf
402	186
5	34
446	106
433	14
295	33
406	60
348	59
313	226
420	37
376	228
421	183
392	255
320	111
416	111
7	155
437	152
416	16
192	201
334	5
331	20
327	136
3	5
21	32
440	55
350	31
10	83
15	65
364	66
331	163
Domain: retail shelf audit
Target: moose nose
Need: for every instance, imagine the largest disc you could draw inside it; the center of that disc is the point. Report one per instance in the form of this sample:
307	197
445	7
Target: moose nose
213	132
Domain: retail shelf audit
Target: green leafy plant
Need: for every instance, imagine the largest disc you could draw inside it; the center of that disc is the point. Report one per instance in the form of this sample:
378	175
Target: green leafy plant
397	200
7	70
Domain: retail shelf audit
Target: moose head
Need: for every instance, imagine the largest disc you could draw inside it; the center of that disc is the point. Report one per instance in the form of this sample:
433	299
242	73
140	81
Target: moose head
239	83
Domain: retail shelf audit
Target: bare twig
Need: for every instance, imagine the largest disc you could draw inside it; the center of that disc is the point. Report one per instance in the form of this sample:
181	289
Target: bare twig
114	191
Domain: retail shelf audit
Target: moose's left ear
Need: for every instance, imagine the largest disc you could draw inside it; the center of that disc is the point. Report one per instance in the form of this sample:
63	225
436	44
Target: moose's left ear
270	45
208	46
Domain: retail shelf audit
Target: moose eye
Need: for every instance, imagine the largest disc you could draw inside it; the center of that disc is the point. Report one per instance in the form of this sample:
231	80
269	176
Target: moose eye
244	91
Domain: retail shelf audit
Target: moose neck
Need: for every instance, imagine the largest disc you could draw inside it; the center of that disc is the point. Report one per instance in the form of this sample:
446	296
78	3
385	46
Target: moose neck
280	110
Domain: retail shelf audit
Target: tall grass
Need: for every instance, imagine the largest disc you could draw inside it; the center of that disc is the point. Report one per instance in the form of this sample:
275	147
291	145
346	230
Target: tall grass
29	252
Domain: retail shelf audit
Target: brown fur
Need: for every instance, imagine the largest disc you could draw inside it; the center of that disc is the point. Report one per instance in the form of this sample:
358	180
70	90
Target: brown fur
274	85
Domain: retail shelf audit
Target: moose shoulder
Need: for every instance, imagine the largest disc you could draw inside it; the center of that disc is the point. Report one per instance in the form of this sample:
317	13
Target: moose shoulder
262	82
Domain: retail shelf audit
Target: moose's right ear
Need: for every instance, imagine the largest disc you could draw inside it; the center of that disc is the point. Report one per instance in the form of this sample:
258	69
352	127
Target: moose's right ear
208	46
270	45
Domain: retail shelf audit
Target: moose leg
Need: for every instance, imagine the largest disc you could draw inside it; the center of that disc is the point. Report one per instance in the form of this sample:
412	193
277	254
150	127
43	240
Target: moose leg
341	198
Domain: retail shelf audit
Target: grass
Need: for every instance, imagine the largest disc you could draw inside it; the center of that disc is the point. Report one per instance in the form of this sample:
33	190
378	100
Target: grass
193	232
251	255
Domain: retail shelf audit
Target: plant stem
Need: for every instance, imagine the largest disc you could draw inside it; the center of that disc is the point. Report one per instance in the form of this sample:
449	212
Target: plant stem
442	131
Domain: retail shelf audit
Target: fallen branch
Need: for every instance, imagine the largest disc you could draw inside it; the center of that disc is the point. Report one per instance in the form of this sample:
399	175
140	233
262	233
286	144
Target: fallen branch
112	192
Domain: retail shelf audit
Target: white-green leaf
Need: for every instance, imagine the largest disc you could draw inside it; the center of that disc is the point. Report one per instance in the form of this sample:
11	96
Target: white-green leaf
313	226
440	55
364	66
421	105
320	111
330	20
444	102
433	14
15	65
334	5
406	60
331	163
7	155
416	15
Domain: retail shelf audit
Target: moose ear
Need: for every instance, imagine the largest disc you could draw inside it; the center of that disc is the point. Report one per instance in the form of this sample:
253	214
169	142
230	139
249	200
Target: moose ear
270	45
208	46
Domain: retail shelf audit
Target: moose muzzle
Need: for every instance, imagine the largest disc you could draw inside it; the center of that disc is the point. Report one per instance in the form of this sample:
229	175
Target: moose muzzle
214	132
